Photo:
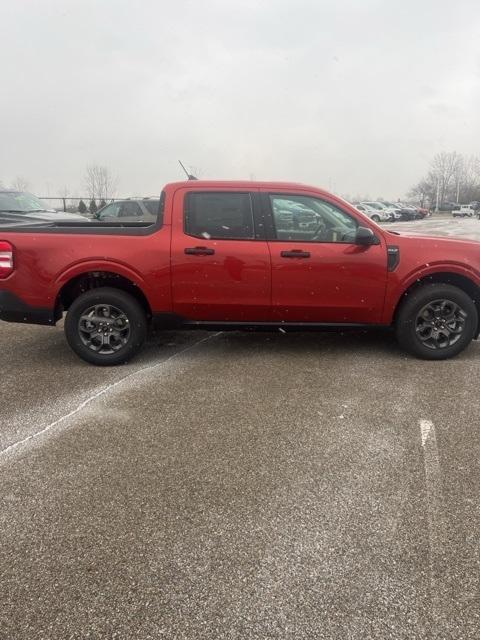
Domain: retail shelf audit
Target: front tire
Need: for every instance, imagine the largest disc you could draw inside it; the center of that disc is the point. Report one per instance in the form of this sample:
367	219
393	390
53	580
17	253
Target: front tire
436	321
376	218
106	326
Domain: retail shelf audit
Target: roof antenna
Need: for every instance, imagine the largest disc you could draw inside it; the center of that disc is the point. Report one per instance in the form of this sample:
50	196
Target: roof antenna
189	175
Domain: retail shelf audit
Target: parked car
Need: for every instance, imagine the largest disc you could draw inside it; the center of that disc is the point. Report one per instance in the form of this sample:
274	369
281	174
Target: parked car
377	215
423	212
476	206
130	210
409	212
379	206
447	206
221	254
464	211
295	215
406	212
23	207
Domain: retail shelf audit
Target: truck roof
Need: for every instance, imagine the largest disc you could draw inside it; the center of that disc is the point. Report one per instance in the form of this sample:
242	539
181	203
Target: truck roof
241	184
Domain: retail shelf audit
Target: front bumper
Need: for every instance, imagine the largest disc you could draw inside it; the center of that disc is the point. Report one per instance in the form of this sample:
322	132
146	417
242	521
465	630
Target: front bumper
13	309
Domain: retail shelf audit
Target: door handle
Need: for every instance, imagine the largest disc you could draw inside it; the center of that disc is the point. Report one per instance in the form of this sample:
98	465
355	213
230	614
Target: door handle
199	251
295	253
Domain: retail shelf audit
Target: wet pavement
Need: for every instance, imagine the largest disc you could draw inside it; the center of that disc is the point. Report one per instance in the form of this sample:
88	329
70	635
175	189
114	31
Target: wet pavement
239	486
440	225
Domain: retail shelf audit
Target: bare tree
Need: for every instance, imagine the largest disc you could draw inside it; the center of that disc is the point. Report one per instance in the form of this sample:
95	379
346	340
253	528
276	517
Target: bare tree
197	171
468	185
64	193
20	184
424	190
456	178
100	182
108	184
91	181
446	166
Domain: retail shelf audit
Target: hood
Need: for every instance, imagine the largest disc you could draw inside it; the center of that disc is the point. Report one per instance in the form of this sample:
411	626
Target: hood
40	216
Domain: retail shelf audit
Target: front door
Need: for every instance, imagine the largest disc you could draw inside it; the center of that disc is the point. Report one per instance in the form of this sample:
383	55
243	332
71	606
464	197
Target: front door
220	261
319	274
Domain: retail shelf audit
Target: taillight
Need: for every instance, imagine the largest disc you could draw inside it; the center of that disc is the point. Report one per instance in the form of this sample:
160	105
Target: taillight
6	259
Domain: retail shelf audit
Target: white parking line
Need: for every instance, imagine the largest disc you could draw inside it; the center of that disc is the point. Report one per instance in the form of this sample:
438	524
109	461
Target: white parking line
436	520
16	445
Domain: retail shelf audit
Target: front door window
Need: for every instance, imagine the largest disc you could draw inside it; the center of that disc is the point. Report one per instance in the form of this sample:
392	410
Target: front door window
307	219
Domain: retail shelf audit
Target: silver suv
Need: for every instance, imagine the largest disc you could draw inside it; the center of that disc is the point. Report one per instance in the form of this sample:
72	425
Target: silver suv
130	210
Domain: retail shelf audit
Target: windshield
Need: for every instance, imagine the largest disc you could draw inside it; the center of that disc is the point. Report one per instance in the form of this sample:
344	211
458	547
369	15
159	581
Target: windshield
375	205
20	202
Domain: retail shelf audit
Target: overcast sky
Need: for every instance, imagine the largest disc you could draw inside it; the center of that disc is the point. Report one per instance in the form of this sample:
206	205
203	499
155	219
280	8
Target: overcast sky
352	95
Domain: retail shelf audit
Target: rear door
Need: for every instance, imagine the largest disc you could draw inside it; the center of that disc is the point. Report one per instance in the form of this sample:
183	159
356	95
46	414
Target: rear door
220	259
319	274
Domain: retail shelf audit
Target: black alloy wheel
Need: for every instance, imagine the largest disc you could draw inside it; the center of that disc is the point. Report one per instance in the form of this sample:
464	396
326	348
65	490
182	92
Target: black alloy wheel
436	321
106	326
440	323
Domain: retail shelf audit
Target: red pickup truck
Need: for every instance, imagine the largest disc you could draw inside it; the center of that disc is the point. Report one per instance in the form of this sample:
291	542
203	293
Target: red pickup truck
235	255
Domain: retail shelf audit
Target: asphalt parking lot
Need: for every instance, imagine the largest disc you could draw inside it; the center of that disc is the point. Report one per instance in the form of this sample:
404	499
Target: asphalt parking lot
441	224
238	485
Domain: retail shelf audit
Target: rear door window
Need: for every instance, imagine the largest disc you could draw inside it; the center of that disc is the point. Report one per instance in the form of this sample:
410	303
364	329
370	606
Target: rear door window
222	216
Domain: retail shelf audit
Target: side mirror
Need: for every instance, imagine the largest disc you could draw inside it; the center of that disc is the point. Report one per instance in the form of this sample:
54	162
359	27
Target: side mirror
366	237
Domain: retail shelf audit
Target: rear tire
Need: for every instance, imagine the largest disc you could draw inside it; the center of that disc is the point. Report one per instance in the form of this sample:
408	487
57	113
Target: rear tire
376	218
436	321
106	326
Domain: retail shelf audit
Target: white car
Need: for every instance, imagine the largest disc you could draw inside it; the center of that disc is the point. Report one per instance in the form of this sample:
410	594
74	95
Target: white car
377	215
382	211
464	211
